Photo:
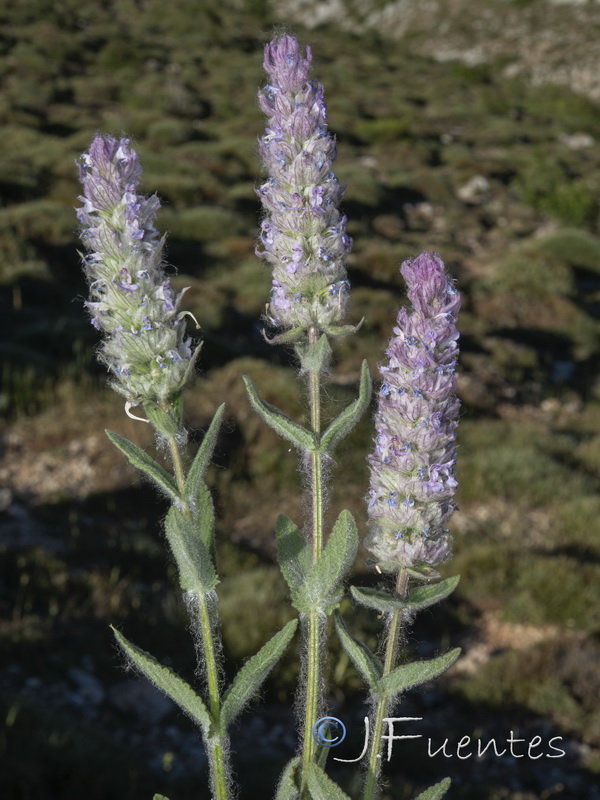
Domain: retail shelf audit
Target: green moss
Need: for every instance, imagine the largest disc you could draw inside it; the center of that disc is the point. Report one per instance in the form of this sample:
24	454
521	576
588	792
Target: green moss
362	185
547	184
384	129
576	247
556	681
202	223
535	589
253	605
169	132
516	472
575	523
42	220
528	275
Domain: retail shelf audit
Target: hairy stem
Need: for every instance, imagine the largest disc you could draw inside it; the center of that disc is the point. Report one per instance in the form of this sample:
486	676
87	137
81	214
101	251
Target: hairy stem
313	672
218	767
384	699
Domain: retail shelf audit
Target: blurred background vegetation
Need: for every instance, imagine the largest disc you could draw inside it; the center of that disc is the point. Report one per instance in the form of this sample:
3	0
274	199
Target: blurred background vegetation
474	134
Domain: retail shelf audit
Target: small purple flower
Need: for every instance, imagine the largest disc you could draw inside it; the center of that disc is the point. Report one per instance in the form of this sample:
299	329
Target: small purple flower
303	235
131	300
416	422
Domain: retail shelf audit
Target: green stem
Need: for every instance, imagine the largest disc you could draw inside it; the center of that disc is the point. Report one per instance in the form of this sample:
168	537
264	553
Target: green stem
313	671
218	767
384	699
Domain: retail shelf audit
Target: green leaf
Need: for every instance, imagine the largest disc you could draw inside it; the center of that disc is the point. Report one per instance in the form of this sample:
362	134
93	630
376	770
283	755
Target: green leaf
435	792
424	596
363	659
194	563
321	786
323	586
284	426
287	789
195	476
161	419
160	797
293	552
287	337
204	515
168	682
409	675
253	673
315	357
343	424
142	461
418	598
342	330
190	367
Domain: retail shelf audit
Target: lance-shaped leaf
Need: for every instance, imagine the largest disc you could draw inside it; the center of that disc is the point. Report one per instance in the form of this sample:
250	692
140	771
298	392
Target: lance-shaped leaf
435	792
253	673
315	357
194	563
168	682
161	419
363	659
418	598
160	797
287	337
342	330
287	789
195	476
142	461
294	557
323	586
409	675
321	787
190	367
276	419
343	424
204	517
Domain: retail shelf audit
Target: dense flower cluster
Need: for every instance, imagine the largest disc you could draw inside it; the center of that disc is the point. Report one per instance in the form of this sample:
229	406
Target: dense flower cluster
412	467
131	299
303	234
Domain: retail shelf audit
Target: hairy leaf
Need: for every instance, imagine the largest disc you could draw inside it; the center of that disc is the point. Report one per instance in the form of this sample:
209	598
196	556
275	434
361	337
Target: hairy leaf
418	598
424	596
321	786
363	659
287	789
293	554
253	673
204	515
161	419
323	584
435	792
343	424
195	476
194	563
409	675
315	357
276	419
142	461
168	682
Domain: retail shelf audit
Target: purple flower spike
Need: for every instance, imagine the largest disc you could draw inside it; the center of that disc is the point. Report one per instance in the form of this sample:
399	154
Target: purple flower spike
303	235
131	301
416	422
